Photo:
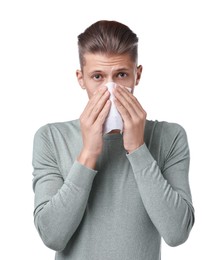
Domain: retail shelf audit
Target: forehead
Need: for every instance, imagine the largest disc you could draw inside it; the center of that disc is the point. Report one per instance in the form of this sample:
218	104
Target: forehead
104	62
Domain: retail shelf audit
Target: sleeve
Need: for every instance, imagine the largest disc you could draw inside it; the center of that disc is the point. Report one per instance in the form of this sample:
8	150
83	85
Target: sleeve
165	193
59	203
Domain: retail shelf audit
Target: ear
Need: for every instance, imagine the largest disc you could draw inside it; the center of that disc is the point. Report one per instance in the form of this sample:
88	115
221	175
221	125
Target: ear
79	75
138	74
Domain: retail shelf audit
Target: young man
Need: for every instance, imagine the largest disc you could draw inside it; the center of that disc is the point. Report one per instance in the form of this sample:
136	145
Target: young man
111	196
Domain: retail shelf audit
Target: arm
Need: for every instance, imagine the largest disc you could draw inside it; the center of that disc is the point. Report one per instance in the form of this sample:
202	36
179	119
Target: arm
59	204
166	195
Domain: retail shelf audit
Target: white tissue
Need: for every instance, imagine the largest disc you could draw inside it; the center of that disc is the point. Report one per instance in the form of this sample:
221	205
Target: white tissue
114	120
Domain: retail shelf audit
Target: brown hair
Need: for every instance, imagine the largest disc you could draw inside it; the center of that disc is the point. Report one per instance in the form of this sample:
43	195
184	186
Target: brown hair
107	37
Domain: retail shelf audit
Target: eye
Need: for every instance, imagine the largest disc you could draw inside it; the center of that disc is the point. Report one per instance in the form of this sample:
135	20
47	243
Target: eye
97	76
121	75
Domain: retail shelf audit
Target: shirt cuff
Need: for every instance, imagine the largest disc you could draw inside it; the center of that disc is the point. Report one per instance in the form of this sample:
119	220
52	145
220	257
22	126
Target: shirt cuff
81	176
141	158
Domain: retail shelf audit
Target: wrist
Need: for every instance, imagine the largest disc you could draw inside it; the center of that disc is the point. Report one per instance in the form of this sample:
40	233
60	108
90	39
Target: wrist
133	148
87	159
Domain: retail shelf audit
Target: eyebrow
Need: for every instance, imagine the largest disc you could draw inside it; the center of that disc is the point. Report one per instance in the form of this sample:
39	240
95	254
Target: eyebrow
116	70
95	71
122	69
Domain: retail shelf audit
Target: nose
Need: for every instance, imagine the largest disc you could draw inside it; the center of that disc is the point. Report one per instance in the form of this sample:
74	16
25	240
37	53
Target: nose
109	79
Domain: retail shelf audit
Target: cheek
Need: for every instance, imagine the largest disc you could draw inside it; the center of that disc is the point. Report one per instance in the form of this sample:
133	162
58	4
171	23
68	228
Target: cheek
89	93
92	88
126	82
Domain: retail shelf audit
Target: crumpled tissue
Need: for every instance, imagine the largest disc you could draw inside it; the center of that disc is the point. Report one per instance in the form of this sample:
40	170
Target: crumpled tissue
114	120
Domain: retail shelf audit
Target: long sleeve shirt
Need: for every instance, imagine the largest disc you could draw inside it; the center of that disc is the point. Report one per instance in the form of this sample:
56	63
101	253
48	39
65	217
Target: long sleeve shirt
120	210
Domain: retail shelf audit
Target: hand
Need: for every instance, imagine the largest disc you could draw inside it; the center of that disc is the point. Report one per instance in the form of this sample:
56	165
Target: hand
91	123
134	118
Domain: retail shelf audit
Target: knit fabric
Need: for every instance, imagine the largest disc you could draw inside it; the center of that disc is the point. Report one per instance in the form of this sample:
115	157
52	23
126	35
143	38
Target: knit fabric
121	210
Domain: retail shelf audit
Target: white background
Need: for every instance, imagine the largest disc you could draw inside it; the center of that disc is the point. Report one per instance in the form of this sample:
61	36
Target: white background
181	51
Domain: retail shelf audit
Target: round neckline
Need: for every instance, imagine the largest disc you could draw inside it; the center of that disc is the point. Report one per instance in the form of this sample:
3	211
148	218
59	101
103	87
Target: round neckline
112	136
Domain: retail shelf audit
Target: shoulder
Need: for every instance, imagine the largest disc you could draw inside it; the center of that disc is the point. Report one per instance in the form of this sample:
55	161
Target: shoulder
52	129
172	130
164	138
173	134
174	144
164	129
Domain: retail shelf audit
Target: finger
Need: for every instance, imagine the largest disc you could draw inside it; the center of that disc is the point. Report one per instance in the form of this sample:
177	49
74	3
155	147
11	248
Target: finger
103	114
94	99
128	95
131	99
99	106
123	111
126	100
95	105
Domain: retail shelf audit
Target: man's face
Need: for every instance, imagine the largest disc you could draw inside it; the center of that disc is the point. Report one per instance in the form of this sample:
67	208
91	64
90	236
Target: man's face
100	69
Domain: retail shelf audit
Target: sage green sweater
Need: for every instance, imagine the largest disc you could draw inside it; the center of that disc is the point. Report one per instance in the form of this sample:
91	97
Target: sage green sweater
121	210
